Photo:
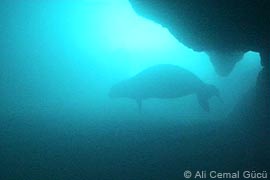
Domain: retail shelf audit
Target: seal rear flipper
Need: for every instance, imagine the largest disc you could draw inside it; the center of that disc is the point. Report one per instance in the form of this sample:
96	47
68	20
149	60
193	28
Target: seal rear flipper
203	101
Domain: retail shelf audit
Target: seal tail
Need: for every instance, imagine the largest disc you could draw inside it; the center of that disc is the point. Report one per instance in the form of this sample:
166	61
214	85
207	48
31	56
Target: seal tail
205	94
204	102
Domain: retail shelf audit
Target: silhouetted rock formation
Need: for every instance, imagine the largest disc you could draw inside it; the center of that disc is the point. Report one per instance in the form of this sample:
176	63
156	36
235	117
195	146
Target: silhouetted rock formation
251	116
225	29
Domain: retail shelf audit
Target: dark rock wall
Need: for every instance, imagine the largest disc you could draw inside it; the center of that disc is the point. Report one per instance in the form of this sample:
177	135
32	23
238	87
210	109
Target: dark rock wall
223	27
204	25
226	29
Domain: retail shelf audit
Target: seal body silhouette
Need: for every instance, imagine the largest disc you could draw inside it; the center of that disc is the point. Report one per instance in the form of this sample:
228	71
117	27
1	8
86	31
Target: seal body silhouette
164	81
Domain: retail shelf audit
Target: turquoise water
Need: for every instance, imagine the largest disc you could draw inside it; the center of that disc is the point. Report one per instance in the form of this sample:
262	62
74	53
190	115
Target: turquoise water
58	63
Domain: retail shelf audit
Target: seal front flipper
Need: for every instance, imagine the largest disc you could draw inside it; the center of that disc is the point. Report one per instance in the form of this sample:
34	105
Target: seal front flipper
203	101
139	102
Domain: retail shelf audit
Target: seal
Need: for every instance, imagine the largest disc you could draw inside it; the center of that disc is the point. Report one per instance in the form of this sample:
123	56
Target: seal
164	81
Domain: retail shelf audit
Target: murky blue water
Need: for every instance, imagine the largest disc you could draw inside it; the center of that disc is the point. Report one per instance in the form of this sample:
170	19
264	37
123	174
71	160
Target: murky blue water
58	61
